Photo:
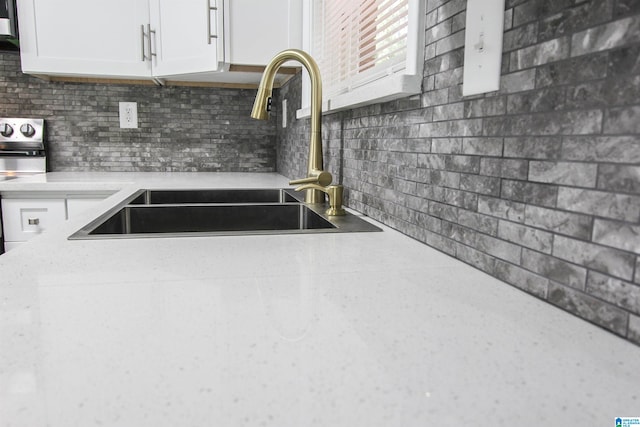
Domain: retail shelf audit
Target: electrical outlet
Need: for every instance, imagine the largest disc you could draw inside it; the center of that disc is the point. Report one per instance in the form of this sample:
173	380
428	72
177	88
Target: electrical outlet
128	115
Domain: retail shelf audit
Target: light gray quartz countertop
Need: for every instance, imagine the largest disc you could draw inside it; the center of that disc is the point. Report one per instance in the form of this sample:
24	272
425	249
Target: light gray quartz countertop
354	329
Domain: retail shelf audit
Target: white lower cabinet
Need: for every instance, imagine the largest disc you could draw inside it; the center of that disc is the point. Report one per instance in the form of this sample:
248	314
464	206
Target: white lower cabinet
24	218
78	205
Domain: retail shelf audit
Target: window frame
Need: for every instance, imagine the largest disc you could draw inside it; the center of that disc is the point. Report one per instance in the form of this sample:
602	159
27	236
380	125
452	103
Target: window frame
399	84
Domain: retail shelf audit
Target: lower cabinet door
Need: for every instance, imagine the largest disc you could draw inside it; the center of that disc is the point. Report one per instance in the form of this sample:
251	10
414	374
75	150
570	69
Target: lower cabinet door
25	218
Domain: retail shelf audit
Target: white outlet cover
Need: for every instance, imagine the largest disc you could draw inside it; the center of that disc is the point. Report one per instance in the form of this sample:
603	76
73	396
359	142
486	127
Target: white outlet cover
128	115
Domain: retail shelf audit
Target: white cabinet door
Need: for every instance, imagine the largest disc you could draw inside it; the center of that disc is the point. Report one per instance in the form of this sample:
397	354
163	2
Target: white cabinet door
84	37
25	218
188	36
258	30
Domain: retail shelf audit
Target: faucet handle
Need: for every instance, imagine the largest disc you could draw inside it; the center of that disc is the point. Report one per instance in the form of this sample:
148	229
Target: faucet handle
321	178
335	197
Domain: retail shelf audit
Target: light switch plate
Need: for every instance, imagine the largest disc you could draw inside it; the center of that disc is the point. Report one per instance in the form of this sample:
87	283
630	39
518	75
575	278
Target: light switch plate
128	115
483	46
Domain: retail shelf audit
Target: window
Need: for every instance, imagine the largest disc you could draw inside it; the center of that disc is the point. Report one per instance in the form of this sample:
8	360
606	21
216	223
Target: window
367	50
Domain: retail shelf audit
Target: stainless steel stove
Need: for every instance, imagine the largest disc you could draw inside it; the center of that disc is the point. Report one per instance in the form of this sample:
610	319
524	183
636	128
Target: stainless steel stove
22	151
22	148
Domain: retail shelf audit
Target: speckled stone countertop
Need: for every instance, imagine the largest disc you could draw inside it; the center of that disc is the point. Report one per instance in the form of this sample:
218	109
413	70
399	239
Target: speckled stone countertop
363	329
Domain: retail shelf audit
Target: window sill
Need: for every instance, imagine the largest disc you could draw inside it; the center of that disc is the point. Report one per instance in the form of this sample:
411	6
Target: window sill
386	89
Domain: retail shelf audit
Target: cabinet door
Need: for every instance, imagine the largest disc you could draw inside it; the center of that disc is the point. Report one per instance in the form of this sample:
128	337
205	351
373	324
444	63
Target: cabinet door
25	218
258	30
84	37
188	36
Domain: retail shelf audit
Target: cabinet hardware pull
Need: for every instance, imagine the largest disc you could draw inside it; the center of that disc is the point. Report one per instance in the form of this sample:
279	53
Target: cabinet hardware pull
144	57
209	9
150	31
34	221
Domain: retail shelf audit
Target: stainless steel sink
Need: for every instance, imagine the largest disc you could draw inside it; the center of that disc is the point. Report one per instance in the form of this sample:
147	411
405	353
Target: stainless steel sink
176	213
225	195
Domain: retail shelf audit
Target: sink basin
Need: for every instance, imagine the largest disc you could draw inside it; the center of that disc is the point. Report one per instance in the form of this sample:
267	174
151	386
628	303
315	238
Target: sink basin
176	213
210	218
268	195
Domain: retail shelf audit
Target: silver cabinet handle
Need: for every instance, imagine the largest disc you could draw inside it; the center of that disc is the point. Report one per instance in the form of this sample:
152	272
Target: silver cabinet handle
209	9
148	42
142	42
149	32
33	221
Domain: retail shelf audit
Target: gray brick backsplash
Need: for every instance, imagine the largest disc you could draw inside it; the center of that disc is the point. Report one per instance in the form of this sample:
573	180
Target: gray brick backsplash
548	147
574	70
600	203
557	270
618	178
180	128
526	12
537	101
617	235
528	237
451	8
587	307
566	173
500	208
476	221
459	22
542	53
565	223
504	168
525	35
622	120
499	248
438	32
508	19
480	184
529	192
450	43
482	146
448	112
618	33
610	149
622	294
485	107
624	61
521	278
600	258
518	81
634	329
476	258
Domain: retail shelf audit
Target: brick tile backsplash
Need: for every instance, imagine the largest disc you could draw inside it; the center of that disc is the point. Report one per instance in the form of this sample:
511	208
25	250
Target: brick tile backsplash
537	184
180	128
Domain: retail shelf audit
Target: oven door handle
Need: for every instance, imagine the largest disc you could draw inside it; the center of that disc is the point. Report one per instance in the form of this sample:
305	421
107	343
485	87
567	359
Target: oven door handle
26	152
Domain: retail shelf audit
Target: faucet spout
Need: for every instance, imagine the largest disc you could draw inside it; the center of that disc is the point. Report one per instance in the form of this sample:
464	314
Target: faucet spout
262	105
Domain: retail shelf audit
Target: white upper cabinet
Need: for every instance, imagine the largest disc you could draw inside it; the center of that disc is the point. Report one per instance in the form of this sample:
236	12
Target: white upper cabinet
81	37
188	40
186	36
258	30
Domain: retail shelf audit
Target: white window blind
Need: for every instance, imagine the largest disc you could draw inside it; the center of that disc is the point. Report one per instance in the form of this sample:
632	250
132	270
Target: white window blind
358	41
367	50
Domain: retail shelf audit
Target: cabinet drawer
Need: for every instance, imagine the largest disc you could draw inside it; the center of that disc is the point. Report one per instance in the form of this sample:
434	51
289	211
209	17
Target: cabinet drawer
24	218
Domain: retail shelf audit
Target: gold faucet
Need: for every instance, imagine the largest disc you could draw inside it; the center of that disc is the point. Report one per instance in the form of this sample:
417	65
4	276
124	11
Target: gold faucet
262	105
